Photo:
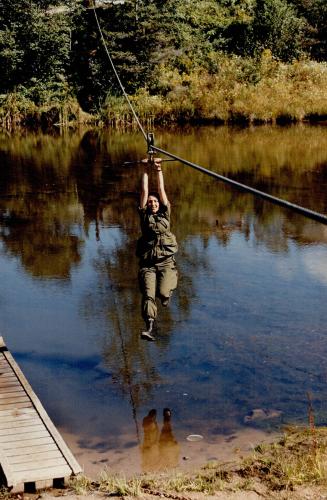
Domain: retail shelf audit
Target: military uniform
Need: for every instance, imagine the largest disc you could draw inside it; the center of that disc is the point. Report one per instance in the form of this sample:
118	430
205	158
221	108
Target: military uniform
156	249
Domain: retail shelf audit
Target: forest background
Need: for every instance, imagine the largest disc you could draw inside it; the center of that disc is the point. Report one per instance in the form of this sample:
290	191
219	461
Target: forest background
179	60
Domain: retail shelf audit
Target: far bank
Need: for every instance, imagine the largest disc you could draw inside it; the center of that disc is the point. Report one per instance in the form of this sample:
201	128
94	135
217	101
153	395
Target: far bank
240	91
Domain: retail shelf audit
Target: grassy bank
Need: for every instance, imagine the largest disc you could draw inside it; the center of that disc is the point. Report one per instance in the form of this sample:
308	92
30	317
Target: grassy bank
264	91
297	460
17	109
238	91
294	467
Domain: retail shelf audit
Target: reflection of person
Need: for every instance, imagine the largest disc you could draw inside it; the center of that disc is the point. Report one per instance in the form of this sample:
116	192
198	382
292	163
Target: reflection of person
156	249
159	452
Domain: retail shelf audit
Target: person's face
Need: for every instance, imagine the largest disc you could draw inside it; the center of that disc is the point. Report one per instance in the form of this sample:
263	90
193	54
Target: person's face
153	204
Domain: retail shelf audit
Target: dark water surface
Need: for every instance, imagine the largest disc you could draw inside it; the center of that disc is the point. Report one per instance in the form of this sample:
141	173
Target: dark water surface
246	328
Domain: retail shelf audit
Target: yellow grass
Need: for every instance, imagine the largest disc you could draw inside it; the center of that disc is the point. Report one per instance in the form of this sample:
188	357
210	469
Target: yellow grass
241	90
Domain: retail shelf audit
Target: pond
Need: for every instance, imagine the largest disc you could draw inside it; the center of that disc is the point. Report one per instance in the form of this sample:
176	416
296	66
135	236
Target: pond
241	350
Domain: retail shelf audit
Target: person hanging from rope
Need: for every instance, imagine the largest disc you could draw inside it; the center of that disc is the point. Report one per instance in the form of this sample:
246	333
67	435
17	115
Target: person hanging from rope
156	249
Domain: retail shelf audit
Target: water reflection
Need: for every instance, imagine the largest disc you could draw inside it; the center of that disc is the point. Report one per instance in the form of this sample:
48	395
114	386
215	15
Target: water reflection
160	450
117	296
246	326
40	218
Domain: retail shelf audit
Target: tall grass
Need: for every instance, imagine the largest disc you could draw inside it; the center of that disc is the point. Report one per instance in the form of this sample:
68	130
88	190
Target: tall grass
297	459
16	109
291	462
239	90
264	91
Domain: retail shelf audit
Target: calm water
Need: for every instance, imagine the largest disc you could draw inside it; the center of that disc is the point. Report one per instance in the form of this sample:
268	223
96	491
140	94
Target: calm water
246	328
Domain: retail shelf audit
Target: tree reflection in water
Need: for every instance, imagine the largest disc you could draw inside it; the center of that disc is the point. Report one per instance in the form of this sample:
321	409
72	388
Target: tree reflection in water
39	208
55	190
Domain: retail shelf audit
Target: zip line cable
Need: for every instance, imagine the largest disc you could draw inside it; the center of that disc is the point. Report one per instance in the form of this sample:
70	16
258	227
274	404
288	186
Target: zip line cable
242	187
116	74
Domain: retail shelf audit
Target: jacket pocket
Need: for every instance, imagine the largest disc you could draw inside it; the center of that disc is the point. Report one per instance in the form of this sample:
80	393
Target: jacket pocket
168	244
144	248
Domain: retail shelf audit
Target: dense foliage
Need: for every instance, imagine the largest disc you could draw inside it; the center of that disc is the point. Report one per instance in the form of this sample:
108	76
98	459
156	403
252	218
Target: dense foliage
52	49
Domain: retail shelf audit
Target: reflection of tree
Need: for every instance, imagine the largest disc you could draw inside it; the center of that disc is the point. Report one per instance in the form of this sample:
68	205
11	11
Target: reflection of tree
46	248
117	294
38	211
286	162
110	195
34	150
100	178
53	189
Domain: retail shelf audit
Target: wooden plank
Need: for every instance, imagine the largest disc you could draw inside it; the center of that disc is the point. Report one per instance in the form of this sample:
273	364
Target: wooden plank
3	363
30	450
18	412
10	393
6	370
16	417
31	435
16	424
38	464
48	423
33	457
41	474
26	443
42	485
14	406
4	366
6	469
10	386
14	399
7	376
10	383
39	485
22	430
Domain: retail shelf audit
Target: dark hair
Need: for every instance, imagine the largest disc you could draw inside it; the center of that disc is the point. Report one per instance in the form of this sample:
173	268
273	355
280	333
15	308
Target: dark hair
155	194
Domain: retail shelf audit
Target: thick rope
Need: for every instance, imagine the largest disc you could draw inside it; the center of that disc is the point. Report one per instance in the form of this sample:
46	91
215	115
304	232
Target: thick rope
243	187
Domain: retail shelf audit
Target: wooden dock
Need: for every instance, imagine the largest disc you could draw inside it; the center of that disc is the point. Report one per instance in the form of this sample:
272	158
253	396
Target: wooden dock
33	454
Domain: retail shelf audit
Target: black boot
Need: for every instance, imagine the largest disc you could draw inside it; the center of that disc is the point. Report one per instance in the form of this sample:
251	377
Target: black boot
167	414
148	333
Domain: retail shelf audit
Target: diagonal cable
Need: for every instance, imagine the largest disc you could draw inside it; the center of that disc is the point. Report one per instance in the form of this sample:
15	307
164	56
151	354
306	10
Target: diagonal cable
243	187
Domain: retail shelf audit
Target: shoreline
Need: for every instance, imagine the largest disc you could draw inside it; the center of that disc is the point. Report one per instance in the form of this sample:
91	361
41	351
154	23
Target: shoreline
42	120
278	93
293	466
182	456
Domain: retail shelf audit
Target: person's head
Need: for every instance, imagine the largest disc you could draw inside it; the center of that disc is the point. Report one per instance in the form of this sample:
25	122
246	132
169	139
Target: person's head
153	203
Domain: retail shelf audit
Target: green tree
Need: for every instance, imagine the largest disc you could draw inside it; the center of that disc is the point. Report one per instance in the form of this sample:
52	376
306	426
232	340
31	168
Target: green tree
129	35
34	44
315	12
277	26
